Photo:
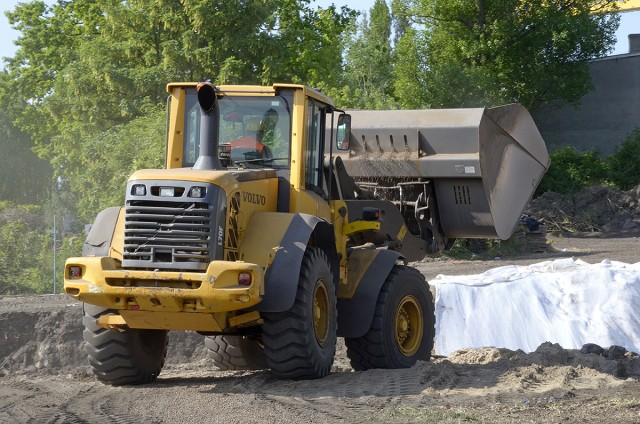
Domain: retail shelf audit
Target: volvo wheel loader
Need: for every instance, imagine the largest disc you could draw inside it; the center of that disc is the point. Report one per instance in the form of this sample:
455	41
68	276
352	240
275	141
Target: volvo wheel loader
257	236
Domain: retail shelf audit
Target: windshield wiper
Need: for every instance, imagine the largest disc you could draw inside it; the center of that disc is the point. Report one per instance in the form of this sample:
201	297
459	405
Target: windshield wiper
258	160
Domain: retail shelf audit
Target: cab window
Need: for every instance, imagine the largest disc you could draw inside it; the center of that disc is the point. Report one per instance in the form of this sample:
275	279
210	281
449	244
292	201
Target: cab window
252	128
315	147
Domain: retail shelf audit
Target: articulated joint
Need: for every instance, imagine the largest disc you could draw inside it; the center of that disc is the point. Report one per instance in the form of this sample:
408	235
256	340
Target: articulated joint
358	226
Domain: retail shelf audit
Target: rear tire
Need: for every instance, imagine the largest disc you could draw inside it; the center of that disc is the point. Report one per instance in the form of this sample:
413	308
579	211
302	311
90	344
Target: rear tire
119	358
301	342
235	353
403	326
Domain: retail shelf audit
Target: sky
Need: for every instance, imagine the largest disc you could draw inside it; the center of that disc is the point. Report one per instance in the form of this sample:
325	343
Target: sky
629	24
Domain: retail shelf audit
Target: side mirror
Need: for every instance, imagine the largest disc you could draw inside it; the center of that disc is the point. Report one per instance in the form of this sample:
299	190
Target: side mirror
344	131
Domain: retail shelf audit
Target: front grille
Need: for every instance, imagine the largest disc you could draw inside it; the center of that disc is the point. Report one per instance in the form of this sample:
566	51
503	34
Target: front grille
167	235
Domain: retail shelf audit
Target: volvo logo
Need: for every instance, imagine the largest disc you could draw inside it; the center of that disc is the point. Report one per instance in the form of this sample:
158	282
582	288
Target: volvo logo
256	199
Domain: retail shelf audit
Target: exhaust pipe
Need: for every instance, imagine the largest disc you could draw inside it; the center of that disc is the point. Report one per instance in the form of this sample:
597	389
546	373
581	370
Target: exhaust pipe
209	128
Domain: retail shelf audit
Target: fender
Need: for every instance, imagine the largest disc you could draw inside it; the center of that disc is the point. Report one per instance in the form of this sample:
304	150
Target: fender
355	314
101	238
281	277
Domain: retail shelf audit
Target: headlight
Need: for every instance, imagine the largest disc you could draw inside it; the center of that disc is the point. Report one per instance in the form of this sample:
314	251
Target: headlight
197	192
167	192
139	190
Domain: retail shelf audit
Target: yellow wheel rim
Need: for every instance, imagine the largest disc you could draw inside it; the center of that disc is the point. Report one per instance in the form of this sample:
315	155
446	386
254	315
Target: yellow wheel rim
409	326
321	312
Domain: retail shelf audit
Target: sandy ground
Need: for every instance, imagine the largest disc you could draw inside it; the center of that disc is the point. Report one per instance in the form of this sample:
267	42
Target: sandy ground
44	376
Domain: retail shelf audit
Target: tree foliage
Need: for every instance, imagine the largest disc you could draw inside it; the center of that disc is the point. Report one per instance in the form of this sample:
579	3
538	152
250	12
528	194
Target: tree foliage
84	94
27	249
110	157
623	164
86	69
85	90
24	177
572	170
489	52
369	69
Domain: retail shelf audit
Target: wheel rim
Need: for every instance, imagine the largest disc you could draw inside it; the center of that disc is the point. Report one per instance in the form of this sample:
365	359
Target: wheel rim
409	326
321	312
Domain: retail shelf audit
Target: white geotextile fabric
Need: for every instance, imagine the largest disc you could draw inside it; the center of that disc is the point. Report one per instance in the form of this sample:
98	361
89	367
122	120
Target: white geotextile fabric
565	301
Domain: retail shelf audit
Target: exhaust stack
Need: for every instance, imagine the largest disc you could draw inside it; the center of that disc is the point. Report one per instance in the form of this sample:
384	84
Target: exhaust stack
209	128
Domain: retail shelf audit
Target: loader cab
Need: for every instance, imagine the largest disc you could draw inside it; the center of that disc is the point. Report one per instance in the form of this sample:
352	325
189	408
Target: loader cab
280	127
254	128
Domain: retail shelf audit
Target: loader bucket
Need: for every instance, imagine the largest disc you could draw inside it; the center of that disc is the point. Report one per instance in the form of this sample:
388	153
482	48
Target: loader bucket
485	164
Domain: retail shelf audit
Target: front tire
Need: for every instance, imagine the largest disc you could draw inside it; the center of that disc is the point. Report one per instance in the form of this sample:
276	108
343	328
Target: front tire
301	342
235	353
132	356
403	326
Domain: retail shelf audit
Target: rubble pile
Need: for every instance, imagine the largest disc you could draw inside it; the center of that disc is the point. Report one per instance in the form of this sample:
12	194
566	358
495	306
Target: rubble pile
593	209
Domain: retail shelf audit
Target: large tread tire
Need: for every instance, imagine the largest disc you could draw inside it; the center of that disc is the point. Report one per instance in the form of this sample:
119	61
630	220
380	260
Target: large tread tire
301	342
403	326
121	358
236	353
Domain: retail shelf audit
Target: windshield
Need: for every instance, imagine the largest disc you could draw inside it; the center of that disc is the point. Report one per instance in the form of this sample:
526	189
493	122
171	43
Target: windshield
253	129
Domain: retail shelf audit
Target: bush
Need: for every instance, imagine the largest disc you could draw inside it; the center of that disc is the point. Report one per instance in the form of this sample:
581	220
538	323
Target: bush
571	171
21	239
26	251
624	171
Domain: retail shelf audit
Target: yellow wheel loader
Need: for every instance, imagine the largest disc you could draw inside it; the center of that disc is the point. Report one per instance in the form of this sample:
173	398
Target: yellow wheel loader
281	223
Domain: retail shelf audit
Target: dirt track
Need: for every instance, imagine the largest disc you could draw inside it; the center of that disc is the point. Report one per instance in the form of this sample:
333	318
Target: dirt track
44	377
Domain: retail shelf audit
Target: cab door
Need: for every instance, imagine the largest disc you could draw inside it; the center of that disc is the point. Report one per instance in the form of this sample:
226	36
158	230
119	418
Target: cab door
316	115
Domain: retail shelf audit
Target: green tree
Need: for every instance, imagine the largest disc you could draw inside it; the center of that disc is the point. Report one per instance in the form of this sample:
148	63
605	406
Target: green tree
26	250
410	79
623	164
370	62
21	236
86	69
24	177
110	157
86	91
488	52
308	45
401	20
571	170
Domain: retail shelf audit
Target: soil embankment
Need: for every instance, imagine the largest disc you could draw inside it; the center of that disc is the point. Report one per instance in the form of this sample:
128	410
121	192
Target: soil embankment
44	375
